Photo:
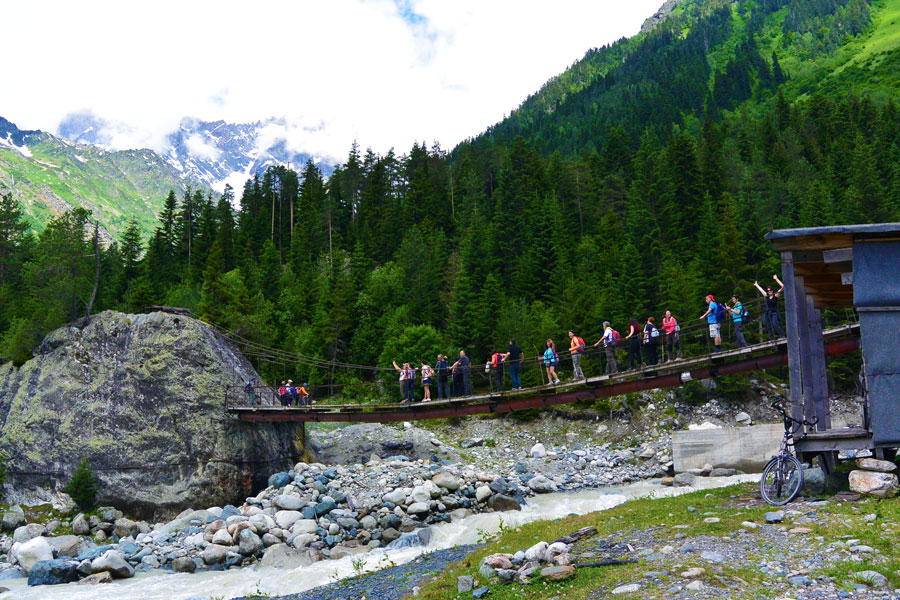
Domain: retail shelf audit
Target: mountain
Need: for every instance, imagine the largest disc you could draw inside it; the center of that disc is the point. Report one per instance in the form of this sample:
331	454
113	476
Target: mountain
212	152
702	59
50	175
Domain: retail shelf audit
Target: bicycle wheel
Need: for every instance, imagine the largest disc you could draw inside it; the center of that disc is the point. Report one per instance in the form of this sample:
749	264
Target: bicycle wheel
781	480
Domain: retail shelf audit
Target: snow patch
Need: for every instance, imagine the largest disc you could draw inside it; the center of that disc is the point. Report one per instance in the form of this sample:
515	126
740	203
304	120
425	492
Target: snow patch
80	158
200	147
8	143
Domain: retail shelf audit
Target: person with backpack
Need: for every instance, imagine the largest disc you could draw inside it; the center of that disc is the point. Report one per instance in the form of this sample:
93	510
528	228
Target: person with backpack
292	393
634	344
671	330
250	390
714	315
303	393
610	340
443	377
576	348
512	359
771	314
496	367
407	382
427	380
282	394
551	359
739	317
651	341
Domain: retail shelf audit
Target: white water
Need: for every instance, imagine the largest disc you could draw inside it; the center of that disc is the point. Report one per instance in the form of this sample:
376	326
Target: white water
268	580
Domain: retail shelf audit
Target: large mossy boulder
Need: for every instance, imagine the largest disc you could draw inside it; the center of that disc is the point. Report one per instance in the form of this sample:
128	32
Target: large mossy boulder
141	398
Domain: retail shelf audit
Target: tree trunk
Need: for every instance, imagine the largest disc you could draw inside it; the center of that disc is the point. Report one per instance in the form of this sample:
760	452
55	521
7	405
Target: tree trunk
90	304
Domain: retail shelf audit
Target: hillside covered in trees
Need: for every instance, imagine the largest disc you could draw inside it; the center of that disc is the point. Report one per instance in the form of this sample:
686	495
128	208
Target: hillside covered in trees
643	189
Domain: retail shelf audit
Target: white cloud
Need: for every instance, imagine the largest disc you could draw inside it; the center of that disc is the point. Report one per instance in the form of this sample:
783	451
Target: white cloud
382	72
199	147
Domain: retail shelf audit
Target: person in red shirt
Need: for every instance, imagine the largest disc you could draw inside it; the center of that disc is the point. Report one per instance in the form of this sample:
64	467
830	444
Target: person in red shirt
671	329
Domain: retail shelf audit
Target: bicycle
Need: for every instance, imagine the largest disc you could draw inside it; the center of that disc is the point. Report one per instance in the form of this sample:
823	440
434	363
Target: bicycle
782	479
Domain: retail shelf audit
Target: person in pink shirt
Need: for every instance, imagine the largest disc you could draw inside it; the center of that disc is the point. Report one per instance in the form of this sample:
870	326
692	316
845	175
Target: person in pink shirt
670	329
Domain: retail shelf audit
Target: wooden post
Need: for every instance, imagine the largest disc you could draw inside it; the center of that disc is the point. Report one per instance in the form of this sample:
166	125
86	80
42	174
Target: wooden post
792	321
818	377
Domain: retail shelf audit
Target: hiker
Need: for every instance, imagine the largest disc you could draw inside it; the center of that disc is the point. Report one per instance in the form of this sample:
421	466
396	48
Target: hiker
427	375
738	314
282	394
293	396
714	315
407	382
671	330
551	359
443	371
463	364
609	345
651	341
634	344
303	394
771	314
250	390
513	358
496	367
576	348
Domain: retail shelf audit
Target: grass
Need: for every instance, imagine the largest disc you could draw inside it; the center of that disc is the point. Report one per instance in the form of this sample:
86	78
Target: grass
742	580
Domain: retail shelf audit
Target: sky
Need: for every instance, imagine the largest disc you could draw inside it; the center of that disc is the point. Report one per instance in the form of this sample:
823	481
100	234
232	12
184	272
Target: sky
386	73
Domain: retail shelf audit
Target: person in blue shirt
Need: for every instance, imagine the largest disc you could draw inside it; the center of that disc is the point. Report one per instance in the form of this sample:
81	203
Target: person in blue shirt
737	315
715	328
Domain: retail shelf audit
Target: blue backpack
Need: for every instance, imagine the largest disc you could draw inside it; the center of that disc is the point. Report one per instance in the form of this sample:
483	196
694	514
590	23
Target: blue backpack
720	312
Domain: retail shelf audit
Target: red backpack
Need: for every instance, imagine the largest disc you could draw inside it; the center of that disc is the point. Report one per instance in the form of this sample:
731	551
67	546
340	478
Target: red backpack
496	359
580	344
616	338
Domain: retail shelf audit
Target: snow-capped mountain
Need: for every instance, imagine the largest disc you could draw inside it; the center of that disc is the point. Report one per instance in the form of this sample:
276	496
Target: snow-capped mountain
214	153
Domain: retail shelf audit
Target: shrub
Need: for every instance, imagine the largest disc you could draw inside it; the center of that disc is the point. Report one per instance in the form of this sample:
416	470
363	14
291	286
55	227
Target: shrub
83	486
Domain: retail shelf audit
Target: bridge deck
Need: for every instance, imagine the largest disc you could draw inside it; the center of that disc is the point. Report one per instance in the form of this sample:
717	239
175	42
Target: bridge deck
668	374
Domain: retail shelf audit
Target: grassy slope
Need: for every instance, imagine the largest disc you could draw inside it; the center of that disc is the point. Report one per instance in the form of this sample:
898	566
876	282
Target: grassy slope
114	185
744	580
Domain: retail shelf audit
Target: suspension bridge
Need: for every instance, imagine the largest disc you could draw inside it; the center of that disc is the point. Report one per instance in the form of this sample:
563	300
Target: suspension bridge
673	373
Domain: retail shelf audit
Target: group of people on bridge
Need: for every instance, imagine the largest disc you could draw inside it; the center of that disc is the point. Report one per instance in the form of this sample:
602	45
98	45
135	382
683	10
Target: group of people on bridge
643	343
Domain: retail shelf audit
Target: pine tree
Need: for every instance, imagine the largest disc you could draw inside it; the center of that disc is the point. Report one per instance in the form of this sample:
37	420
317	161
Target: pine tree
12	231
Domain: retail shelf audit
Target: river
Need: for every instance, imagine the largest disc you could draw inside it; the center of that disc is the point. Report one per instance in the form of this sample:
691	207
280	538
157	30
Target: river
165	585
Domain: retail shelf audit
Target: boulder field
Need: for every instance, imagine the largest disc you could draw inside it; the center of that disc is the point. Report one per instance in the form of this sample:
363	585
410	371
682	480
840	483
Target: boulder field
141	398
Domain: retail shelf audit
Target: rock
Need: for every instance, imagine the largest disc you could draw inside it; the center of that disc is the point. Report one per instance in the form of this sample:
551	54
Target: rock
343	551
281	556
471	443
279	480
114	562
11	520
684	480
715	557
722	472
184	564
877	484
53	572
873	578
500	503
288	502
215	554
695	586
97	578
749	525
743	418
133	361
774	517
397	496
360	443
647	452
28	532
32	551
310	526
150	562
417	508
80	525
325	507
537	552
482	493
446	481
222	538
389	535
481	592
420	493
541	485
630	588
694	572
464	583
873	464
68	545
286	518
813	482
125	528
249	543
537	451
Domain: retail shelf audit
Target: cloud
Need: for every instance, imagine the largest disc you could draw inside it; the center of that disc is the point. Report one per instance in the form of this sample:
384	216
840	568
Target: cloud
198	146
383	72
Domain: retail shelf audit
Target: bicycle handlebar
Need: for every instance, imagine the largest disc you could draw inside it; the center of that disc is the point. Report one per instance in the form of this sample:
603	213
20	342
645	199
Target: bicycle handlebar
777	406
